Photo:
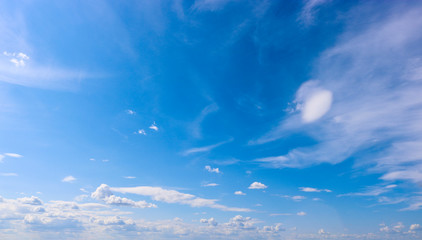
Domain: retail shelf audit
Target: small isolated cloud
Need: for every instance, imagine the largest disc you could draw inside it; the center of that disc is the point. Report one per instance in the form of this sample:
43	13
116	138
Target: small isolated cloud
69	179
92	159
210	185
310	189
301	213
141	132
130	112
8	174
13	155
106	160
129	177
415	227
239	193
257	185
294	198
153	127
212	170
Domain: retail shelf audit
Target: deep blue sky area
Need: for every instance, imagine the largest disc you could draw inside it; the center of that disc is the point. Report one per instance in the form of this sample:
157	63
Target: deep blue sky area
210	119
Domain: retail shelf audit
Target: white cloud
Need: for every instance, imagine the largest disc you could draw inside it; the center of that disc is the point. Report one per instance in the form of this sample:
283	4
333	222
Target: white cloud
372	191
301	213
212	170
172	196
69	179
205	148
13	155
104	194
129	177
317	106
257	185
310	189
210	221
130	112
385	114
141	132
415	227
239	193
310	10
195	126
9	174
294	198
30	200
153	127
18	59
210	185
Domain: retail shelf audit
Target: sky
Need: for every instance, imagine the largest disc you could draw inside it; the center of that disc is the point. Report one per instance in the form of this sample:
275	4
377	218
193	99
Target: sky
210	119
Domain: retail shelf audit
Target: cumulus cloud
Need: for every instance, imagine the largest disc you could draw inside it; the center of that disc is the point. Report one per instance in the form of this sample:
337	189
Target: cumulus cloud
141	132
30	200
104	194
210	221
310	189
257	185
173	196
69	179
239	193
212	170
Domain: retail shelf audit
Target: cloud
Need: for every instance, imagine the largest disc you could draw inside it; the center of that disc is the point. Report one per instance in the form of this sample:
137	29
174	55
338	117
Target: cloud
309	11
310	189
18	59
104	194
372	191
257	185
30	200
130	112
129	177
317	106
210	221
301	213
294	198
9	174
239	193
153	127
195	126
172	196
69	179
381	119
212	170
205	148
141	132
210	185
13	155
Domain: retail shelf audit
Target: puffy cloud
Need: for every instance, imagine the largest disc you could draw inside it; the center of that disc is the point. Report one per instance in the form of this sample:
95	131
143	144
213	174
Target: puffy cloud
239	193
415	227
212	170
18	59
69	179
104	193
210	221
310	189
130	112
141	132
30	200
171	196
257	185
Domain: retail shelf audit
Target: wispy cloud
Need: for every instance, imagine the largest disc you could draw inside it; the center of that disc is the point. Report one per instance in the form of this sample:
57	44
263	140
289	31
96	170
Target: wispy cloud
310	10
385	114
205	148
310	189
210	185
173	196
239	193
372	191
153	127
9	174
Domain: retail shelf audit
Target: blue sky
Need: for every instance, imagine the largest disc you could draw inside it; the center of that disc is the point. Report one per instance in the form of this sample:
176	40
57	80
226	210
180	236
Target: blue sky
210	119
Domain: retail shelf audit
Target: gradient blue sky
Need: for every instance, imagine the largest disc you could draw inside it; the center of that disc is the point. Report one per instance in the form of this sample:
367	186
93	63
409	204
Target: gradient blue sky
210	119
